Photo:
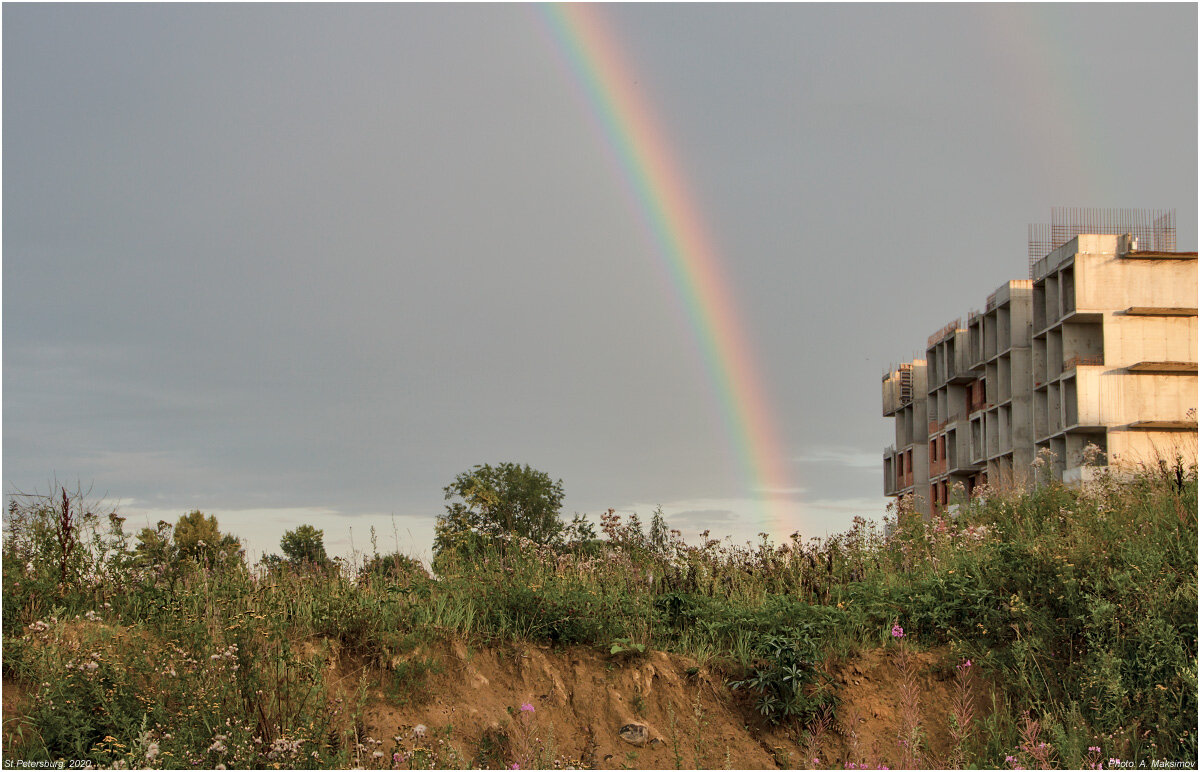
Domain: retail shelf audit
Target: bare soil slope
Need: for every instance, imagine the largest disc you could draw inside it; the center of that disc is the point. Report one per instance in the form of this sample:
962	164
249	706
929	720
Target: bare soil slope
582	701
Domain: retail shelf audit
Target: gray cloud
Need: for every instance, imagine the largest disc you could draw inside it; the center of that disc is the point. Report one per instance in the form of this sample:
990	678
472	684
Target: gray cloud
322	258
836	456
705	518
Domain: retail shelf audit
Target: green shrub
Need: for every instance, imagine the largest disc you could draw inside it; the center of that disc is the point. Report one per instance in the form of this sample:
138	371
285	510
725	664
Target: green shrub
788	681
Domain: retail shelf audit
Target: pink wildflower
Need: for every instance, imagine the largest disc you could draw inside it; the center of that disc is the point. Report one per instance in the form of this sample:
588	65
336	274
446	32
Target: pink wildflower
897	631
526	707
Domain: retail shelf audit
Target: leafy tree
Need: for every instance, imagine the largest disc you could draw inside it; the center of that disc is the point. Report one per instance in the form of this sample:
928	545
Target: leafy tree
580	530
154	545
503	500
198	538
580	536
304	545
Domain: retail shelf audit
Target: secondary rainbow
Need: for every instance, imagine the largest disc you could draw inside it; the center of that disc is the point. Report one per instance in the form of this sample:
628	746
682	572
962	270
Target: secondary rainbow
632	133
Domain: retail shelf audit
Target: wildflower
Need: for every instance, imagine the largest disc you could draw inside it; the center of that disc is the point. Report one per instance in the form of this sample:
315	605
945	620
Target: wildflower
419	730
151	751
377	755
526	707
897	631
966	665
515	766
1093	748
397	758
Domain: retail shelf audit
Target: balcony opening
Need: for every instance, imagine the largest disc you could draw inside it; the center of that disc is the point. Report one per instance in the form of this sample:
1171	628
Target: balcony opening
1068	290
1052	307
1053	410
1003	378
1054	354
1070	398
1082	345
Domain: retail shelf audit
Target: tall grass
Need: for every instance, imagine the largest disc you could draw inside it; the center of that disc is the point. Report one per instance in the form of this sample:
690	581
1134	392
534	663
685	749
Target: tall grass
1077	603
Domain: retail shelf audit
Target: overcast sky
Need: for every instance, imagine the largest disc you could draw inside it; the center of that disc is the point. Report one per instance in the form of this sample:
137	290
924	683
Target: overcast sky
306	263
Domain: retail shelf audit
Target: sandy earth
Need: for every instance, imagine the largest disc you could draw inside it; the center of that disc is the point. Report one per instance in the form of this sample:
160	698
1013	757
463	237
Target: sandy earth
587	697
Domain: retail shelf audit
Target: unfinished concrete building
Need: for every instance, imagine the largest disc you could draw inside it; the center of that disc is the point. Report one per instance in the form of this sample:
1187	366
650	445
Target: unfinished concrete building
1096	348
949	374
906	462
1000	403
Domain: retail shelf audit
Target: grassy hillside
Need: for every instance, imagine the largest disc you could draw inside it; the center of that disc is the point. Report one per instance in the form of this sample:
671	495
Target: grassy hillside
1075	609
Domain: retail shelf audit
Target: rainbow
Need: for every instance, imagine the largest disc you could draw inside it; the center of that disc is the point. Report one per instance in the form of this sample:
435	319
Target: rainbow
629	127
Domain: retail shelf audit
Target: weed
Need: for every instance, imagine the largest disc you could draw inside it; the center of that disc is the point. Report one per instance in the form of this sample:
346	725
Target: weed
1077	606
639	702
700	744
788	683
962	713
676	748
911	734
409	680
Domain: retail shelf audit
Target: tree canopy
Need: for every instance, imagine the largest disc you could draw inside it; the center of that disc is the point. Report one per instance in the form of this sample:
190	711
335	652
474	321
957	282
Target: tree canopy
303	548
196	537
304	544
503	500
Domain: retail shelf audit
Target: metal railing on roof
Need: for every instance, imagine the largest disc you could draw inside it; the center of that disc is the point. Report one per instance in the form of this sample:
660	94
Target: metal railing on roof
1154	229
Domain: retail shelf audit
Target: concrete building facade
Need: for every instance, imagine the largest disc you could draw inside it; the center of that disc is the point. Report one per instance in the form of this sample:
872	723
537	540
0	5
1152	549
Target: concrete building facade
1097	348
906	461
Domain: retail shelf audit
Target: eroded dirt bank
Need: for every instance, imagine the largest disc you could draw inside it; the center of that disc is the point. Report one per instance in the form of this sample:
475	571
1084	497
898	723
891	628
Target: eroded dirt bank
576	706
